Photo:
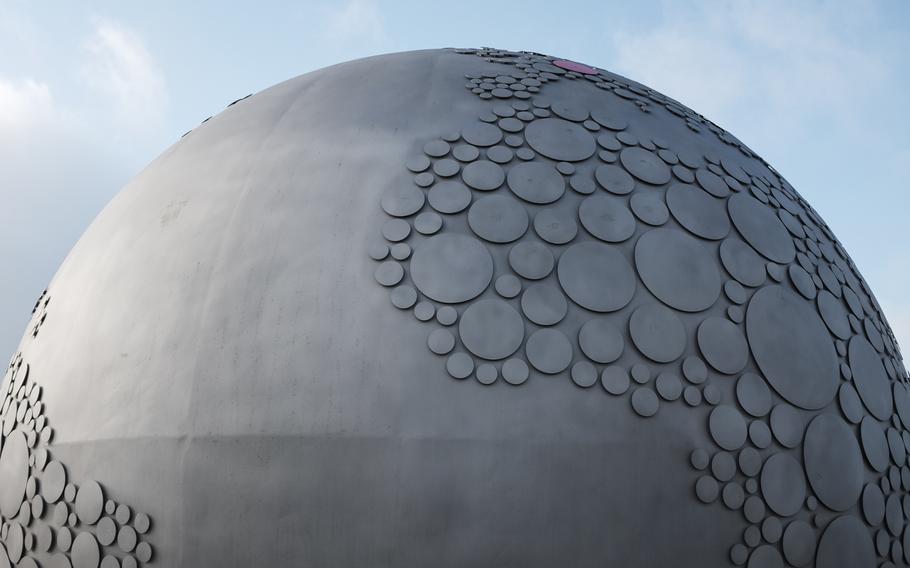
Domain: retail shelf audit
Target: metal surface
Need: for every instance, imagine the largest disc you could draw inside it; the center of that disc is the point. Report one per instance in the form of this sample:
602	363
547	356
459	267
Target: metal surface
457	308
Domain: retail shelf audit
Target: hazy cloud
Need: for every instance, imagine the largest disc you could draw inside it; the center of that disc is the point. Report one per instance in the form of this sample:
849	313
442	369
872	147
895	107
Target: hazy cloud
785	57
354	28
120	66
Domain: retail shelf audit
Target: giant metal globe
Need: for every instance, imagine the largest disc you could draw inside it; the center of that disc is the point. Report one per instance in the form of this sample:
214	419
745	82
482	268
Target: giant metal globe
457	308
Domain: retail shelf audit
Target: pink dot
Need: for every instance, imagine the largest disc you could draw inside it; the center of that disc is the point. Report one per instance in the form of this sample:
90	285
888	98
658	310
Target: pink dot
573	66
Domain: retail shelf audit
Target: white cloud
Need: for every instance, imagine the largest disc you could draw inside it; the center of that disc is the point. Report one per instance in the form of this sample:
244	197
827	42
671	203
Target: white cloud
61	154
23	104
120	67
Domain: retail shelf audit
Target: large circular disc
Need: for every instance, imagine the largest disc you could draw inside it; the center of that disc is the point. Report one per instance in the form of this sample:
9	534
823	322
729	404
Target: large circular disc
677	269
792	347
451	268
596	276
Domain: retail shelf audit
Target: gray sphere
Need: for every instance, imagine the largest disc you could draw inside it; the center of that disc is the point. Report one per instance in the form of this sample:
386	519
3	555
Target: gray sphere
457	308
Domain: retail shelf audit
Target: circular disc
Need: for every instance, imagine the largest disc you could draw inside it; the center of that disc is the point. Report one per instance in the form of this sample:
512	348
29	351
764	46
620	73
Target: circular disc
498	218
677	269
555	227
792	347
753	395
846	544
606	218
799	543
783	485
645	165
600	341
536	182
483	175
727	427
614	179
870	378
491	329
549	351
833	462
532	260
544	303
89	502
698	212
596	276
761	228
13	473
85	552
451	268
723	345
657	332
743	263
560	140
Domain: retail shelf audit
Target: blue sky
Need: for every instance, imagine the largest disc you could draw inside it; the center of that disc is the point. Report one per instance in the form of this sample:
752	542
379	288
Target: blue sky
92	91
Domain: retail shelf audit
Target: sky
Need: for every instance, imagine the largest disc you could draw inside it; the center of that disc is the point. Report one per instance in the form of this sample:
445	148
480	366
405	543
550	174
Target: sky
92	91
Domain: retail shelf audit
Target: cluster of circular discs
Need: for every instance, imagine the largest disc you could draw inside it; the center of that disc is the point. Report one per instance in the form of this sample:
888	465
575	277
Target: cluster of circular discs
534	70
39	313
572	232
48	521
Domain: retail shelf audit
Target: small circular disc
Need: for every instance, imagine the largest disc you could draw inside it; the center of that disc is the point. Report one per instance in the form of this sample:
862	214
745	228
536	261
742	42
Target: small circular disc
833	462
596	276
606	218
723	345
491	329
515	371
531	260
727	427
89	502
508	286
657	332
614	179
449	197
555	227
644	402
402	201
483	175
584	374
645	165
677	269
544	303
649	208
615	380
549	351
441	341
600	341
